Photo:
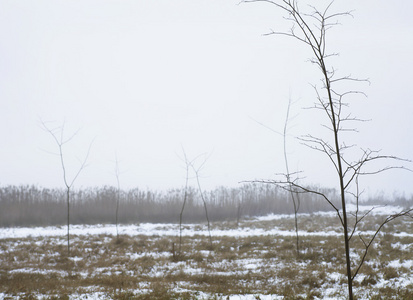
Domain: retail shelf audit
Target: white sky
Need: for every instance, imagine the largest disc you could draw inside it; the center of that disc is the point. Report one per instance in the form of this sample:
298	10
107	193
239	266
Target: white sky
144	78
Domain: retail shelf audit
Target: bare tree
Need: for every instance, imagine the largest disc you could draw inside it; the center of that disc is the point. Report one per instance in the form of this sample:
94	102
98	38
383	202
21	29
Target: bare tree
117	195
240	199
187	166
191	164
197	170
310	28
58	136
295	197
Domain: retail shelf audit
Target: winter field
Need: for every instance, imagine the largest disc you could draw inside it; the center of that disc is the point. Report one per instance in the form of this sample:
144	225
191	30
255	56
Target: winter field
255	259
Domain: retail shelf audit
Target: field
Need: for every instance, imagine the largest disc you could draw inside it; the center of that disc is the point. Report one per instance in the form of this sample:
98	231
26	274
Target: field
255	259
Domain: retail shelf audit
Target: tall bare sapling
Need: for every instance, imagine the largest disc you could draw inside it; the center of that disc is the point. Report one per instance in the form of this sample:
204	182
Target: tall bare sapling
310	28
58	135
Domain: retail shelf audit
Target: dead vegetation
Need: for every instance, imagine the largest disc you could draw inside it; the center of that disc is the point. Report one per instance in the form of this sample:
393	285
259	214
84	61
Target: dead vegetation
146	267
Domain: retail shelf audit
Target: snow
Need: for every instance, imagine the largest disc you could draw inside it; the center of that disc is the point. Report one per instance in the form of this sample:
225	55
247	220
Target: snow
161	230
408	264
246	265
147	229
403	247
153	229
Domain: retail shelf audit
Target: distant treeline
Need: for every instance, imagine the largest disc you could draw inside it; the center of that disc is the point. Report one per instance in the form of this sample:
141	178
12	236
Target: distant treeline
35	206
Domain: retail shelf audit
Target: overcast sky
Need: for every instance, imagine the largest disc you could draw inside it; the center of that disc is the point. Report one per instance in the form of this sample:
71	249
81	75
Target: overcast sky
144	78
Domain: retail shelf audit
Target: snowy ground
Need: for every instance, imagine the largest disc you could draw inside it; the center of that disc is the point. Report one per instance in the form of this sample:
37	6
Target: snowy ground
333	288
152	229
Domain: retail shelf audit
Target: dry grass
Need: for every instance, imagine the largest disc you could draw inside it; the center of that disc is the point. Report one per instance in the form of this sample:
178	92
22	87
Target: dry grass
143	267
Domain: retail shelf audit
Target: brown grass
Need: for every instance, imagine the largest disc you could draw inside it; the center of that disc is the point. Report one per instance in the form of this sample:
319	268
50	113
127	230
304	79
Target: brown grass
143	267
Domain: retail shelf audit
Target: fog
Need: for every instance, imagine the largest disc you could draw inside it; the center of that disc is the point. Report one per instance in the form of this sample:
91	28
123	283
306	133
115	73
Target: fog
145	79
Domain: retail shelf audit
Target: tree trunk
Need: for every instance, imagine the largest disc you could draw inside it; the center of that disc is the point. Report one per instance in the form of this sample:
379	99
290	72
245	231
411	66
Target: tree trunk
68	220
